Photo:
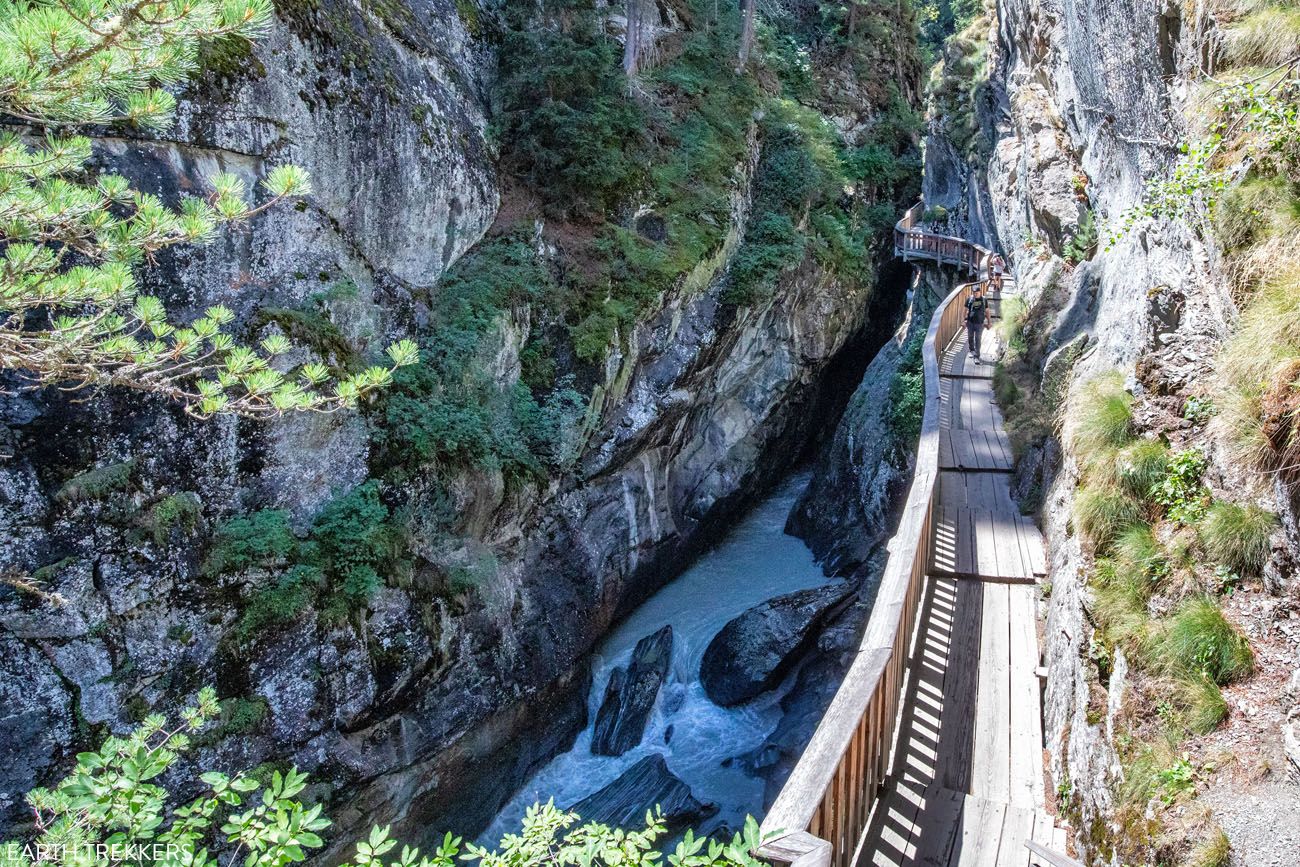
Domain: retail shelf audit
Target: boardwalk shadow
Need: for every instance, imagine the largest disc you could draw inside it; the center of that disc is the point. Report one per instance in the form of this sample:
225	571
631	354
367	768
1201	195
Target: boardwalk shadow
936	733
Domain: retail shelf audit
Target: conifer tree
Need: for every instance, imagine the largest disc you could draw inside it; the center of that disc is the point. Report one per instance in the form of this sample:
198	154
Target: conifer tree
71	312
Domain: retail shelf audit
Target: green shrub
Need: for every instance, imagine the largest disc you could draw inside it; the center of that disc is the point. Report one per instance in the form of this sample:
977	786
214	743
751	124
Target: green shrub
119	786
567	123
1198	639
277	605
1102	512
259	539
1238	536
1083	242
1180	492
96	484
1100	417
907	397
175	510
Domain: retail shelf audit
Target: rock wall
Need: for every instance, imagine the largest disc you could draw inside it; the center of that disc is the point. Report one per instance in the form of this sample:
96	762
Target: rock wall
1083	103
424	710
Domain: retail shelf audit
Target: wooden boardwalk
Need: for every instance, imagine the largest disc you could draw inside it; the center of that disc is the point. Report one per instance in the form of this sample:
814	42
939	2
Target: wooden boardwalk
966	786
931	750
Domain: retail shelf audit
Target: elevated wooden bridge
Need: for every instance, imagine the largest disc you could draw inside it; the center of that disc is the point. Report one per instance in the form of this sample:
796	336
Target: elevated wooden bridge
931	751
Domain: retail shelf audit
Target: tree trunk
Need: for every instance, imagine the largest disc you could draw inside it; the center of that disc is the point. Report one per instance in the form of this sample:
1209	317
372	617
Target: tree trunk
632	38
746	34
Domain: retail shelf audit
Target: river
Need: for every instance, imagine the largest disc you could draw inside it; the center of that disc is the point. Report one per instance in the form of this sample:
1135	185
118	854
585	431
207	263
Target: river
754	562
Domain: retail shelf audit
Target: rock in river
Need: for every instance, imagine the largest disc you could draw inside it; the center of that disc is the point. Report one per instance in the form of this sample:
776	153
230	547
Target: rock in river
754	651
630	695
623	803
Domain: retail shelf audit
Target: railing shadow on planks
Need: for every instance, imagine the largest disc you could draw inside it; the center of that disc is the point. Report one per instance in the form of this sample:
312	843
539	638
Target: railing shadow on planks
821	813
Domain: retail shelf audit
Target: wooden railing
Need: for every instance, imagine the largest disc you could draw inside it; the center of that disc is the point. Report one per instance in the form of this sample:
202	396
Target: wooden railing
913	243
819	816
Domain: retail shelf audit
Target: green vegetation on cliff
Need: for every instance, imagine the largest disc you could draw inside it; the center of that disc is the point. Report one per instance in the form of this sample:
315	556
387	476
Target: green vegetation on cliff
71	312
1164	551
115	801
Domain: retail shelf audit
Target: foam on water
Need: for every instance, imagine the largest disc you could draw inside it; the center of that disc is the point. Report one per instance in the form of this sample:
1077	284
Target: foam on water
753	563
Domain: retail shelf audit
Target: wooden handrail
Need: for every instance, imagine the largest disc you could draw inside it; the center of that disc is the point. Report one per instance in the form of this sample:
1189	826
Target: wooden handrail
913	243
822	811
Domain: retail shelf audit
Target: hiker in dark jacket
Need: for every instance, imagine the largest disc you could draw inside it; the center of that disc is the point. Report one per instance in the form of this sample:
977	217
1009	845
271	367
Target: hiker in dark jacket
977	319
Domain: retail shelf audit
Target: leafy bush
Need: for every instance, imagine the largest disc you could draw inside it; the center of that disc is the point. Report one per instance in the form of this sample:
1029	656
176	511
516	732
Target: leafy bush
277	605
907	396
1238	536
1199	639
259	539
113	795
1083	242
1180	493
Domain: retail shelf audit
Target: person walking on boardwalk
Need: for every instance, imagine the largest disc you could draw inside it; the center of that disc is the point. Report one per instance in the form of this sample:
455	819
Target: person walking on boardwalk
997	265
977	319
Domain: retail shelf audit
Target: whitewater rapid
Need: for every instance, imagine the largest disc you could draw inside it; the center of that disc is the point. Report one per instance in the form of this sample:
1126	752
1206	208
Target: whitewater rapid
754	562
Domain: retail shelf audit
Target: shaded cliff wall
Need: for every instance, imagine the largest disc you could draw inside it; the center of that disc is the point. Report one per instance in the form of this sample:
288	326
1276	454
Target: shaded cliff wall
427	703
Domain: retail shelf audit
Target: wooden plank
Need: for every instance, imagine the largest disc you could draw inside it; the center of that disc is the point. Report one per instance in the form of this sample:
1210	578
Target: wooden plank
957	723
990	758
1026	712
1052	857
1017	829
937	826
981	824
890	840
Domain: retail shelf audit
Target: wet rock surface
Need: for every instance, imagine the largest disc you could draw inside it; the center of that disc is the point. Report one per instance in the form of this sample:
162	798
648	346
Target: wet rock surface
755	650
630	695
648	783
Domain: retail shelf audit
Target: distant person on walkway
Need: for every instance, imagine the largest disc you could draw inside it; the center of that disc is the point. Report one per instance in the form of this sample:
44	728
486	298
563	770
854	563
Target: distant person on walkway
996	267
977	319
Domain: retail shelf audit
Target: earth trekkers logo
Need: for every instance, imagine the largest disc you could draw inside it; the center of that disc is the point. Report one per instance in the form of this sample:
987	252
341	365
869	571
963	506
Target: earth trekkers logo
94	853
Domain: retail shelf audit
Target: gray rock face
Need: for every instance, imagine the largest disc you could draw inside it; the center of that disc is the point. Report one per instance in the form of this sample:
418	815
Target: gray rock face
755	650
420	710
644	786
630	695
845	513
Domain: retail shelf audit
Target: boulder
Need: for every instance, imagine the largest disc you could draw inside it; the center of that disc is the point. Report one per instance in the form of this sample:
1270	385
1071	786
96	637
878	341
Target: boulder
630	695
755	650
645	785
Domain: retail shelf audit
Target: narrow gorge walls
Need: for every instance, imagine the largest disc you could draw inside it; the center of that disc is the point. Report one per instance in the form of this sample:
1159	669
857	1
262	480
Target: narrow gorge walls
621	345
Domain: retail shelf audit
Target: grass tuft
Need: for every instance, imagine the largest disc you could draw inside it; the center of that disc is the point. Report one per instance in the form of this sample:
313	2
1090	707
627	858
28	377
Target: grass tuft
1141	465
1198	639
1215	850
1100	416
1119	606
1200	703
1136	551
1266	37
1238	536
1102	513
